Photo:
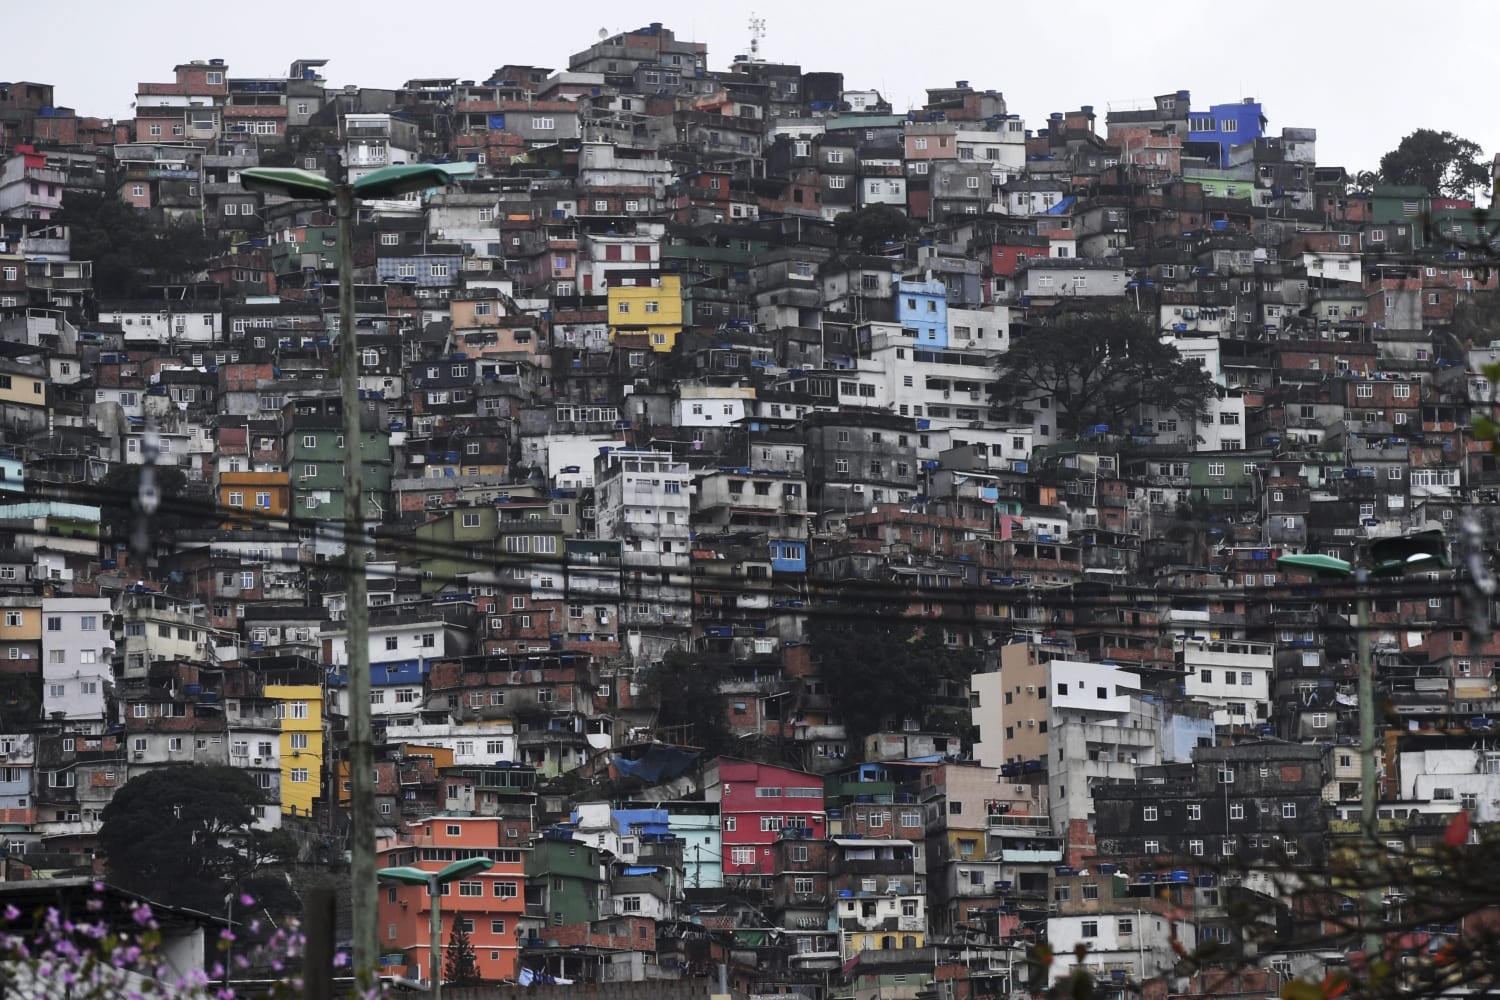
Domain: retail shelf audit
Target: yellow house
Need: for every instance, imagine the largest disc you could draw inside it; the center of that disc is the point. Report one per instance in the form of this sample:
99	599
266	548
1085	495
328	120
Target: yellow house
26	385
22	620
300	708
655	311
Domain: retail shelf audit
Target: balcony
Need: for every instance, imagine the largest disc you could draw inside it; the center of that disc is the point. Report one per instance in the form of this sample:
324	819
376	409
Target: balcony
1031	856
878	866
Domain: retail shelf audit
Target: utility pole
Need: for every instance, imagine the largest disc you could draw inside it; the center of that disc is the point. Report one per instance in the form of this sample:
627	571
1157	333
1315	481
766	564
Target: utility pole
303	185
1370	843
364	899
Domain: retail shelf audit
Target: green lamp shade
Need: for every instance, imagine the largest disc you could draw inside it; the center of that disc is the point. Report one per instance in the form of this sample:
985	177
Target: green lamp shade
1317	564
405	875
289	182
392	182
1417	551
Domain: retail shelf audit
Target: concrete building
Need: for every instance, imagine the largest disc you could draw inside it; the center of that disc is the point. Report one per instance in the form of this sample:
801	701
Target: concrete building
77	650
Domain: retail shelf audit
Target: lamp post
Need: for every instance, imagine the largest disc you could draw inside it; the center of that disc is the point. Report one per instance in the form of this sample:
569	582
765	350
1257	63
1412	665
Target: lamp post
305	185
1388	557
434	881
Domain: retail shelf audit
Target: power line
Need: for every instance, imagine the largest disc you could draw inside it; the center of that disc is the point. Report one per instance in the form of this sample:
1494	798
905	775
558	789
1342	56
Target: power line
816	594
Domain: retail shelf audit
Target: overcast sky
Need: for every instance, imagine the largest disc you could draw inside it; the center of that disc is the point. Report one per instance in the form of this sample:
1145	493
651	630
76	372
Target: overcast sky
1362	74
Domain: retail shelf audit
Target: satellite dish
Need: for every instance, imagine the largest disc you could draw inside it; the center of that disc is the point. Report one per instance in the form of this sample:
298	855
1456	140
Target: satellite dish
603	33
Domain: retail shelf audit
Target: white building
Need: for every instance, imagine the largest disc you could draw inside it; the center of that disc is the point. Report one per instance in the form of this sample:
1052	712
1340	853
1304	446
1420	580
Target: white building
423	638
472	743
1465	777
644	499
166	322
1119	936
76	653
711	406
1230	676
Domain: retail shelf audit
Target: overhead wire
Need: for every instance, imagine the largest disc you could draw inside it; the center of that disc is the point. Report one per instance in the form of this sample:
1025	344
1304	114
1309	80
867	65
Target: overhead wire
815	593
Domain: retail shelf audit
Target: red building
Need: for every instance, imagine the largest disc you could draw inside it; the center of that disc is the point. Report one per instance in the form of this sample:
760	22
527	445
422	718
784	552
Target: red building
757	802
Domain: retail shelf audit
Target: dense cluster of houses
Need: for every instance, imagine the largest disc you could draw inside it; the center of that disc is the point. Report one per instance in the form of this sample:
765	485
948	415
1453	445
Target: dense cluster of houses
630	386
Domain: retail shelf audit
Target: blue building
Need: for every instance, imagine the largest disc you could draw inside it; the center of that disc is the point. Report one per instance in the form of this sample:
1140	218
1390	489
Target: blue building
1227	125
788	556
12	473
922	306
426	271
698	829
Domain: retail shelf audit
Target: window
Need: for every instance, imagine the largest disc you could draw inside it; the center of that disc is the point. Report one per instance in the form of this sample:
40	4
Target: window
1149	814
299	775
1090	928
1237	810
1289	810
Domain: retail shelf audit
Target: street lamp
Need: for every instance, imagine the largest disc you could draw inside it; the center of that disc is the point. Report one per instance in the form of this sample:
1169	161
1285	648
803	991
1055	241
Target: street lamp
434	881
305	185
1388	557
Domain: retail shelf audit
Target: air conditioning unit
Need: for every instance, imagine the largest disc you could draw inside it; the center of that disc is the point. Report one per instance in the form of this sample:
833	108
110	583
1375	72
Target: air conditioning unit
258	761
140	755
1019	789
858	488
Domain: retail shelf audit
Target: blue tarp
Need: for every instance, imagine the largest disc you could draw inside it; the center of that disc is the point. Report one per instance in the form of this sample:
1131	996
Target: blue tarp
659	763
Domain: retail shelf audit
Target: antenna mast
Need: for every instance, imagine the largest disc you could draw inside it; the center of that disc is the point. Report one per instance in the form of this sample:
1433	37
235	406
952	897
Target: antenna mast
757	33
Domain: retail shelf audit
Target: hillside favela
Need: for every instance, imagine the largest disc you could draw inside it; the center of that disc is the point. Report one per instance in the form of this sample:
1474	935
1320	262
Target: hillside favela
675	524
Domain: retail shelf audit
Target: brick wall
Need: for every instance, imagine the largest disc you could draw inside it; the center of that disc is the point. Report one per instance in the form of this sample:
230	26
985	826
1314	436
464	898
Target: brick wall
686	989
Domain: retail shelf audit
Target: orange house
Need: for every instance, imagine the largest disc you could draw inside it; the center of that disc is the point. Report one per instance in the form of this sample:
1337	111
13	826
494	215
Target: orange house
491	903
265	498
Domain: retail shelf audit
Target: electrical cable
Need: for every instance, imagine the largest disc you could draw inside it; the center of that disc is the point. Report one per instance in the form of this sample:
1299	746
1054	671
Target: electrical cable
813	592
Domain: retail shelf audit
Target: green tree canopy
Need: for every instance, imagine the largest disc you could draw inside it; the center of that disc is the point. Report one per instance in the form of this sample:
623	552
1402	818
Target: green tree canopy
460	965
129	251
1100	368
870	228
688	687
880	666
1441	163
119	494
183	835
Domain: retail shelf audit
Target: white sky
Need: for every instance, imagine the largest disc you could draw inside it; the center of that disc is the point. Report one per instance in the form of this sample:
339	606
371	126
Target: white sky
1362	74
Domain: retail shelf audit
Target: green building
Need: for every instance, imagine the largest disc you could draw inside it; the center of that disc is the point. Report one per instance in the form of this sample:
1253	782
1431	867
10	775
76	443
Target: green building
519	530
313	450
1222	479
564	880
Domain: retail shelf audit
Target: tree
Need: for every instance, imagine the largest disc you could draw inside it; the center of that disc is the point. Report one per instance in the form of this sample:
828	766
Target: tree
1100	368
183	835
880	666
20	702
119	503
1440	163
127	249
688	687
460	965
869	229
